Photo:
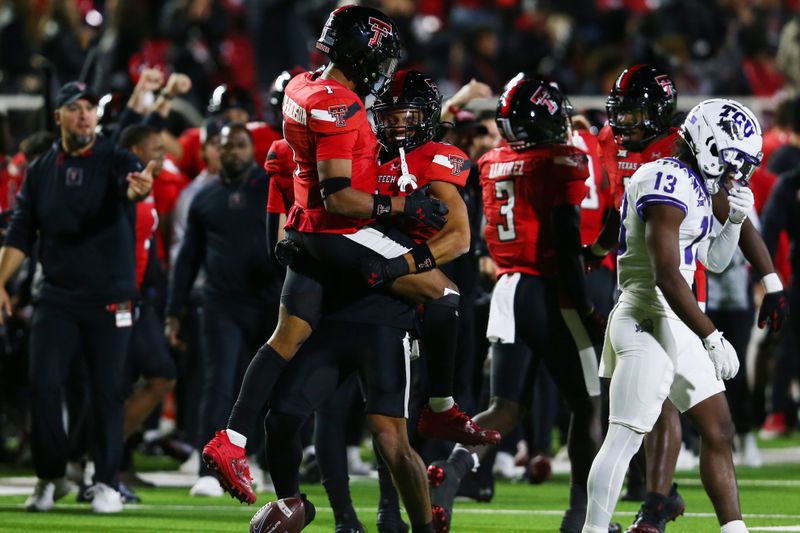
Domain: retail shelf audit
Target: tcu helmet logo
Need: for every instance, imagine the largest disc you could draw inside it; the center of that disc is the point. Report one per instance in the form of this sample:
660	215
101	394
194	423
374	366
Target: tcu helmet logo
735	123
339	112
666	84
458	164
380	29
542	97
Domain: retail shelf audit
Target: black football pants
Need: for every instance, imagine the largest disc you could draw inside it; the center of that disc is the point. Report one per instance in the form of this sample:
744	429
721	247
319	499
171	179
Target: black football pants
58	333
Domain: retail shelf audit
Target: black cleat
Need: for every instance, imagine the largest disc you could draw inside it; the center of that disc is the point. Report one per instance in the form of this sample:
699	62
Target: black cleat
350	528
657	510
443	483
476	488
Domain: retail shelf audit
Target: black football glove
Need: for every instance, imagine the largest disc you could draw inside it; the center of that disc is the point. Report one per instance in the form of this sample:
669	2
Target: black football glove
590	259
286	252
774	311
378	270
424	209
595	324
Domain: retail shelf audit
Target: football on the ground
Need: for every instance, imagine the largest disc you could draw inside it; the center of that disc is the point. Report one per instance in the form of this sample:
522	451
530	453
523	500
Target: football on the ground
283	516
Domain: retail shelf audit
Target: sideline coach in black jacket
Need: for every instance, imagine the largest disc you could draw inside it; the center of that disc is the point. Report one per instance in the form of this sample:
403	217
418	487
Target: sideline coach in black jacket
77	206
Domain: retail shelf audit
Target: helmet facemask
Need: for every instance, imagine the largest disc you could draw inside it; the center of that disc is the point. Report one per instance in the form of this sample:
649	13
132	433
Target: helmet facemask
403	126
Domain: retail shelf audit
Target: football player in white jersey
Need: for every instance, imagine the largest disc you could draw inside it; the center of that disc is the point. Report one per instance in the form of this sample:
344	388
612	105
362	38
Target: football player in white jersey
659	343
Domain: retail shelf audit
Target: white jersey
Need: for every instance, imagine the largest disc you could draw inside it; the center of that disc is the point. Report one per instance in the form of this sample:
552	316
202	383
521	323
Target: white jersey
665	181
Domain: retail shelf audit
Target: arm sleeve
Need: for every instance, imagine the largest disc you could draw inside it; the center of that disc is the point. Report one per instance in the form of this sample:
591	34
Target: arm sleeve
775	215
716	253
566	222
22	229
188	263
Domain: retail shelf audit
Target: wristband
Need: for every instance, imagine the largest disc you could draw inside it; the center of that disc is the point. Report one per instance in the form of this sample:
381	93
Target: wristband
164	94
381	205
423	258
772	283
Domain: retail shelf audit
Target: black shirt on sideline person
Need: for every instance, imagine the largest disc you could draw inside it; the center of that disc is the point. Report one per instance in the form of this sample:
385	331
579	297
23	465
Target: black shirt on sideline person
78	208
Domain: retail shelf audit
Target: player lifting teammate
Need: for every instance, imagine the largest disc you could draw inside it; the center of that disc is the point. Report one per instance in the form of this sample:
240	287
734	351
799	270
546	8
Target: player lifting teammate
334	149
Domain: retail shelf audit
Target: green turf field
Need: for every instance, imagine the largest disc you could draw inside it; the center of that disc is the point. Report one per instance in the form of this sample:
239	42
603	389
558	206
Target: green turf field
770	497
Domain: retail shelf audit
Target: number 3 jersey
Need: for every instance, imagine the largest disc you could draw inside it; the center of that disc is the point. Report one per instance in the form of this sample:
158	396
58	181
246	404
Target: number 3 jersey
520	188
670	182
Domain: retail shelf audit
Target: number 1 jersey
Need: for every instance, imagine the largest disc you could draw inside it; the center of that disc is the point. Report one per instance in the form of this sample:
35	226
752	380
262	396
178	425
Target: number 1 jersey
520	188
670	182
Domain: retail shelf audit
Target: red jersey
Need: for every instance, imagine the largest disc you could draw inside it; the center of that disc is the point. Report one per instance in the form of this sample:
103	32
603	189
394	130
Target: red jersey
325	120
432	161
620	163
12	174
280	168
191	160
519	191
146	225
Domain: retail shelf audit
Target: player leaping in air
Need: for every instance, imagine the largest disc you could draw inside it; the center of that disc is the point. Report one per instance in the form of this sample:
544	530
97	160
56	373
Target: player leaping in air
334	148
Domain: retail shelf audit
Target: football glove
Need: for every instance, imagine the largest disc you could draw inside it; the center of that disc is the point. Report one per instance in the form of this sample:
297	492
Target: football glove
378	270
774	310
424	209
286	251
741	201
722	354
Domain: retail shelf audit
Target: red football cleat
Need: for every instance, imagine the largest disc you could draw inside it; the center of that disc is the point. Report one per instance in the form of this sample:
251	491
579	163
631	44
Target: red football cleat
454	425
229	464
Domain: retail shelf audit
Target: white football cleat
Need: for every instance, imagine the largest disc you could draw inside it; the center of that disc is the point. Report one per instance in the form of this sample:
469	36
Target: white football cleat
207	486
46	493
105	499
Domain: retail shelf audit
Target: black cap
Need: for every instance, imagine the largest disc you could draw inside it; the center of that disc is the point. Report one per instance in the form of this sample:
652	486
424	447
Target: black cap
211	126
74	91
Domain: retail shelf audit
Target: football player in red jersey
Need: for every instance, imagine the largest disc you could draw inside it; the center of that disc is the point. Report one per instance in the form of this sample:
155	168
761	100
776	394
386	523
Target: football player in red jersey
532	190
334	150
640	109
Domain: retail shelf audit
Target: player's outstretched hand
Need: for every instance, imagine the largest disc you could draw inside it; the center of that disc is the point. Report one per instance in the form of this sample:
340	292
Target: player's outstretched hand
722	354
595	324
286	251
774	310
426	209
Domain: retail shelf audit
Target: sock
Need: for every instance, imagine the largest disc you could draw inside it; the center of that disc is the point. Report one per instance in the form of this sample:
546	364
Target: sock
257	385
476	463
284	452
440	405
236	438
577	496
462	460
607	475
424	528
440	339
734	526
329	443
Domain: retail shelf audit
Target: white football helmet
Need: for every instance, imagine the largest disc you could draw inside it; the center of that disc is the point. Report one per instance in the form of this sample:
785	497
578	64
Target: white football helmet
723	134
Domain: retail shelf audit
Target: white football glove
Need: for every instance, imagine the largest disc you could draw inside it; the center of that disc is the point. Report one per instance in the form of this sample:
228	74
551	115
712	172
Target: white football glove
722	354
741	201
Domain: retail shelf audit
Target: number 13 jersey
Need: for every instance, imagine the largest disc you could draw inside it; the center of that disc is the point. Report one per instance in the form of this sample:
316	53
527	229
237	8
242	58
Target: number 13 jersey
666	181
520	188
